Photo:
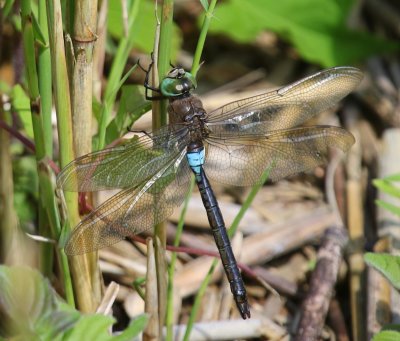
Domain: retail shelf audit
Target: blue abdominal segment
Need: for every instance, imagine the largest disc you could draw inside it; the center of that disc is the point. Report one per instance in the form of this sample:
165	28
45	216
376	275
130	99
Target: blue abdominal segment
196	160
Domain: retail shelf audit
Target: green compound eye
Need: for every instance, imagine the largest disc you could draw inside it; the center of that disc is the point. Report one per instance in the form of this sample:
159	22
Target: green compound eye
177	84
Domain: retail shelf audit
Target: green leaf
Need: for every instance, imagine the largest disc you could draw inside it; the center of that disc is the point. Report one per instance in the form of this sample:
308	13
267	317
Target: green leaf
30	306
393	177
316	28
205	5
92	327
146	24
388	206
132	106
21	104
32	310
135	327
7	7
39	36
387	335
95	327
387	187
387	264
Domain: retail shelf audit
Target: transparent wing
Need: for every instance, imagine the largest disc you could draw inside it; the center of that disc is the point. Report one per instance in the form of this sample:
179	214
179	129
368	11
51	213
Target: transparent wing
240	161
133	210
286	107
126	165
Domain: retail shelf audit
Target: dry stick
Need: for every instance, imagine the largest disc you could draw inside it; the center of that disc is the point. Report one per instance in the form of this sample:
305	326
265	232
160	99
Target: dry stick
108	299
355	222
152	331
383	300
84	39
233	330
99	51
337	321
323	279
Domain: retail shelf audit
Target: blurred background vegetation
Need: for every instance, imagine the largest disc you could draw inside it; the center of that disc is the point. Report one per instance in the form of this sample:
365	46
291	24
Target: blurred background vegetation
70	63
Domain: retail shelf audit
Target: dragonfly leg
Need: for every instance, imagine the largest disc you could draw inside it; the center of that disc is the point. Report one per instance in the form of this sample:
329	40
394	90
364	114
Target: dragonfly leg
147	85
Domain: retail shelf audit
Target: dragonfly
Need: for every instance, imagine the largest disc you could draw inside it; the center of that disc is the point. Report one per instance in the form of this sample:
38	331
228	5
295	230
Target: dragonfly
233	145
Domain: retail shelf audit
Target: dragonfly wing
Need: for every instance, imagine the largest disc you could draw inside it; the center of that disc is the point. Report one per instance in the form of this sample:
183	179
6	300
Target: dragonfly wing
133	210
240	161
286	107
126	165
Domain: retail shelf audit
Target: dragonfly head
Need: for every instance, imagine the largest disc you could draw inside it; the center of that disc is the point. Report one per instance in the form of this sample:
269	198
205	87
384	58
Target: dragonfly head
177	83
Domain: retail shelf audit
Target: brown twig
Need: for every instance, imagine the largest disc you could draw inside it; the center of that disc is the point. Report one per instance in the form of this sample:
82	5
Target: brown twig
323	279
337	321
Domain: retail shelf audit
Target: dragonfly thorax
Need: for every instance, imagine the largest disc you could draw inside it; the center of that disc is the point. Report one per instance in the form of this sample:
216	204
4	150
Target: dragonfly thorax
185	109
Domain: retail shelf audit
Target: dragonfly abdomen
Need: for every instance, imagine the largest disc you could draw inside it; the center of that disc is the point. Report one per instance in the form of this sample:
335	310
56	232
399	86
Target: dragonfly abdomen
195	156
223	243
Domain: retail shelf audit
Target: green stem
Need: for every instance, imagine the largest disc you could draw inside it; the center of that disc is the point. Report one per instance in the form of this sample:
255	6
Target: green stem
45	83
117	69
43	130
202	38
171	270
39	86
164	56
64	122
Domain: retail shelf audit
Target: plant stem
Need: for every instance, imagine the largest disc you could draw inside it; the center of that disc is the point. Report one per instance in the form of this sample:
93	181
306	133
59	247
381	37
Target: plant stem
45	83
79	266
84	38
202	38
171	270
117	69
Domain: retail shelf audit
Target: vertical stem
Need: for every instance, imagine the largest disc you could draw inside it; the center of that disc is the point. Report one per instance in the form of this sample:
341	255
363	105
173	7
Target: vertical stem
84	38
160	119
45	82
82	78
99	51
202	37
43	130
171	271
164	56
119	62
79	266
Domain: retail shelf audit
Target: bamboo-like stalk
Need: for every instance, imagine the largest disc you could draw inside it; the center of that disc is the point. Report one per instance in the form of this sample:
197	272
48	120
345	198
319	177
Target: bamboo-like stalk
99	51
355	223
79	266
162	56
84	38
